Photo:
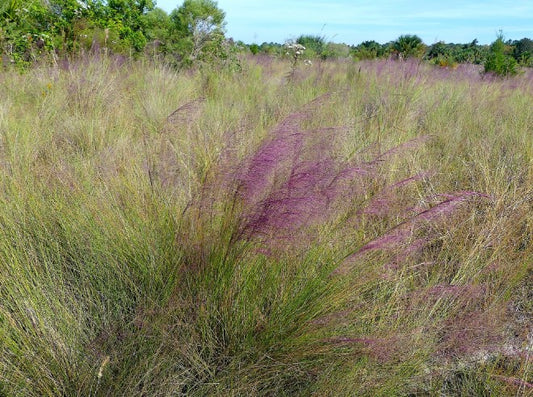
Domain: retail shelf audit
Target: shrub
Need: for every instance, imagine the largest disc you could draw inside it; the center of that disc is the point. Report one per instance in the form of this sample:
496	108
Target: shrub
499	61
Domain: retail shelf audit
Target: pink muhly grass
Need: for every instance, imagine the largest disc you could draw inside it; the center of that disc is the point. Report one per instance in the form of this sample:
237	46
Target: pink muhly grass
259	174
447	206
281	152
291	181
471	330
403	253
514	381
166	165
287	184
383	350
401	233
467	296
294	121
401	148
186	113
382	203
302	198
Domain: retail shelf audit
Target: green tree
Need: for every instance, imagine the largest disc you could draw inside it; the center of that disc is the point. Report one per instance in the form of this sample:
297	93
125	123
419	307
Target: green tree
198	27
523	51
470	52
274	49
441	54
129	11
335	51
157	24
25	30
31	29
314	45
498	61
126	18
369	49
438	50
254	48
409	46
68	17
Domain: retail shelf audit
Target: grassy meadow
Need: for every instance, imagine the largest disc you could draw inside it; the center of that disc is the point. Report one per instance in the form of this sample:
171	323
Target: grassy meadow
350	229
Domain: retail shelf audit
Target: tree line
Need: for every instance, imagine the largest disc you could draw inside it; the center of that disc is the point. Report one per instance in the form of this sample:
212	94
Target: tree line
194	33
502	57
36	29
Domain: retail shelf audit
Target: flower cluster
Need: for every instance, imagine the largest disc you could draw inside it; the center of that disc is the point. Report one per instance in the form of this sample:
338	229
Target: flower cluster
294	48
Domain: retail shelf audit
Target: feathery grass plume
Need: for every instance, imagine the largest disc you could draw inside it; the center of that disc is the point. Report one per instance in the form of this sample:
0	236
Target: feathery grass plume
469	332
170	167
400	233
185	114
400	149
277	181
384	202
285	190
266	162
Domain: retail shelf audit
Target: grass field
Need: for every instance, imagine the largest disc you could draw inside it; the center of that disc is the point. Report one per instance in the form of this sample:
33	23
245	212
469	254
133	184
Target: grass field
357	229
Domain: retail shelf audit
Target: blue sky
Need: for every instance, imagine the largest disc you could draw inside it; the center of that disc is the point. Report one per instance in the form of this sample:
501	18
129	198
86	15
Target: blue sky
352	22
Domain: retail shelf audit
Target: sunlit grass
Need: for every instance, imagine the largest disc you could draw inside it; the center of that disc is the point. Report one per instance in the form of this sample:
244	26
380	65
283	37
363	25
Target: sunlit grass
362	229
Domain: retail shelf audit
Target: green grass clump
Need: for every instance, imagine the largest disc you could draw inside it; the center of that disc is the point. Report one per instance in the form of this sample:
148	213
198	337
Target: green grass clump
358	230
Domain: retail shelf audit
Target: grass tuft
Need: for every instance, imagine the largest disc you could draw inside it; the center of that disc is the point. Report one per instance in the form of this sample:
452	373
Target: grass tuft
215	233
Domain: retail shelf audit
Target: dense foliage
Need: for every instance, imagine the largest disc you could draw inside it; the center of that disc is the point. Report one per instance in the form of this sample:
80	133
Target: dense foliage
502	58
39	29
194	33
